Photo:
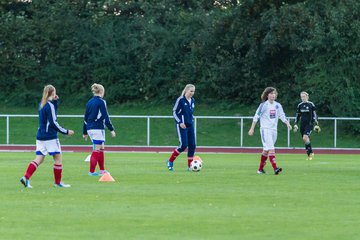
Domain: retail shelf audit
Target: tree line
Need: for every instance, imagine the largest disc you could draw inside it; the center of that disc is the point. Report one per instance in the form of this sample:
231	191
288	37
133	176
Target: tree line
147	50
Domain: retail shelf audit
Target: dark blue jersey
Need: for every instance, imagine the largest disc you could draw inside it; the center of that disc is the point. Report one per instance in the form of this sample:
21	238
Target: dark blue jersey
306	112
96	115
48	125
183	111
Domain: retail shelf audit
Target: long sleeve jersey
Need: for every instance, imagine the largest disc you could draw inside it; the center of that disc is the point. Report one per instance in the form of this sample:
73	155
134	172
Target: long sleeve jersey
306	112
48	125
183	110
96	115
269	113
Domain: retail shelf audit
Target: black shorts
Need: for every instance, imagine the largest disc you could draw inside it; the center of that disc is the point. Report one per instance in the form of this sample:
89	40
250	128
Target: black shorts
306	129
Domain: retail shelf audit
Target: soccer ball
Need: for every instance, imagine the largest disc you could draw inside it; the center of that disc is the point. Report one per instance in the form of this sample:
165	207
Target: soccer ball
196	165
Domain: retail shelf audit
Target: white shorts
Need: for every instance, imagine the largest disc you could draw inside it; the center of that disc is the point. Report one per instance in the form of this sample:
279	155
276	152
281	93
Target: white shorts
268	138
97	136
50	147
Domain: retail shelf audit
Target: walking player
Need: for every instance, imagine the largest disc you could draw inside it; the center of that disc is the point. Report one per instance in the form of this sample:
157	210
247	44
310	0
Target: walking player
95	119
269	113
47	141
184	123
306	114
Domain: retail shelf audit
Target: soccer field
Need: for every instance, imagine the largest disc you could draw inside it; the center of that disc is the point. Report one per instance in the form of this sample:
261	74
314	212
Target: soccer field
316	199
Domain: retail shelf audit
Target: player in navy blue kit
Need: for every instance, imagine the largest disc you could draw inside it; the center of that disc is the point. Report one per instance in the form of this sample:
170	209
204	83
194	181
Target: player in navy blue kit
184	121
95	119
47	141
306	115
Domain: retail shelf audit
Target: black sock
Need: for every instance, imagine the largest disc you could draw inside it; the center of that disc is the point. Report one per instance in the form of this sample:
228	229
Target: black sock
308	148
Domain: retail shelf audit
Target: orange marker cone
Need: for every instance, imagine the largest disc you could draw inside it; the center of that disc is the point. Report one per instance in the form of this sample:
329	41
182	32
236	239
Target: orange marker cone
197	158
106	178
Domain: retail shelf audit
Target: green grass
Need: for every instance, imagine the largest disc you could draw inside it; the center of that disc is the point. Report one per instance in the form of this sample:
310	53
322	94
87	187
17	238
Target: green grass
227	200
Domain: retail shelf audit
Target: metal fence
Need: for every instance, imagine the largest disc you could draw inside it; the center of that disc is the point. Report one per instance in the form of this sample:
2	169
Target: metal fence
242	131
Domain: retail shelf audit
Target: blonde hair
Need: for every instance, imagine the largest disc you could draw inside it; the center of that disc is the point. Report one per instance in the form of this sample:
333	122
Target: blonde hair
47	92
303	92
187	87
266	92
97	89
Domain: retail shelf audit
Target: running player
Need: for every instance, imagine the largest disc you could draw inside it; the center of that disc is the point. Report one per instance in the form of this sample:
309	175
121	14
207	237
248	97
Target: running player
306	114
184	123
269	112
95	119
47	141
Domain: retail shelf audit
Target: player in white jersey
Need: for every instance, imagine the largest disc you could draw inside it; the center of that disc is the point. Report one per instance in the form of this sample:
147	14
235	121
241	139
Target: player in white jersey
269	112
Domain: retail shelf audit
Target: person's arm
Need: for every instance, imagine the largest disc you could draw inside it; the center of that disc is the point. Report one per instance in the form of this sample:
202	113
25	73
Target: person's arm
85	134
177	111
314	115
256	117
297	118
315	120
252	128
104	113
283	117
53	120
298	114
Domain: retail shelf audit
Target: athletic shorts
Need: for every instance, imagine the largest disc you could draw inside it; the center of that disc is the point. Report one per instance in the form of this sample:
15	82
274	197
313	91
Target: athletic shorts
50	147
97	136
306	130
268	138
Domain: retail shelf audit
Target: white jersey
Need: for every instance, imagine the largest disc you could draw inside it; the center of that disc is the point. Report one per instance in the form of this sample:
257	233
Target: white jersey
269	114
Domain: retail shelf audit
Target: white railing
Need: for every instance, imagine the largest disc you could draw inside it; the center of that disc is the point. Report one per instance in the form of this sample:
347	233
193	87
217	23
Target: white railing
148	118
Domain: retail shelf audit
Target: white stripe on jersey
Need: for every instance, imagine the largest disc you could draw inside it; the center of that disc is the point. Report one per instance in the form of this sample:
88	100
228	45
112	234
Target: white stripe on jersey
179	135
63	130
174	109
107	113
98	115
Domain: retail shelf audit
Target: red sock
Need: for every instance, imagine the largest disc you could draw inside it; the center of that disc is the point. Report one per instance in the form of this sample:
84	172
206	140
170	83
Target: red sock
94	160
190	159
262	162
31	169
57	173
174	155
273	161
101	160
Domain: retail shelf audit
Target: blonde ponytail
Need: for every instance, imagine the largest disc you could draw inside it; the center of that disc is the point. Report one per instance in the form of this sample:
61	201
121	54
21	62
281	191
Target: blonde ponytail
47	92
187	87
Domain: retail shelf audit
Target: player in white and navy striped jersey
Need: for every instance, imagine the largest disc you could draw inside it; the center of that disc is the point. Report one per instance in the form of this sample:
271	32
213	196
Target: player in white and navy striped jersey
269	112
184	122
95	119
47	141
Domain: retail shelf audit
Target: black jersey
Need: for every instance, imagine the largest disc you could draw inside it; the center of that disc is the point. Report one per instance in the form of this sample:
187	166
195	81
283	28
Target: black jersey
306	112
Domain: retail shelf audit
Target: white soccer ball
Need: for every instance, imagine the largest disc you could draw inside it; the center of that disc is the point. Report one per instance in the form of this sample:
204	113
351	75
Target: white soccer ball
196	165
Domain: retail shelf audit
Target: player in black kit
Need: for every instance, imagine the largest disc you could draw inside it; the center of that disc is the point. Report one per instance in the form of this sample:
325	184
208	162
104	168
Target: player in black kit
306	115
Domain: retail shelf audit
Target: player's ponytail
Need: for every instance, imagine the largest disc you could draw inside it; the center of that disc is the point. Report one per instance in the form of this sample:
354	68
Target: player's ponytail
187	87
97	89
47	92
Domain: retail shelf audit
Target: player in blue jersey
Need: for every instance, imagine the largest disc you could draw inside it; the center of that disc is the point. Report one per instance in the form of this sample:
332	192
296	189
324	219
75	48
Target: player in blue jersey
95	119
184	121
306	115
269	112
47	141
